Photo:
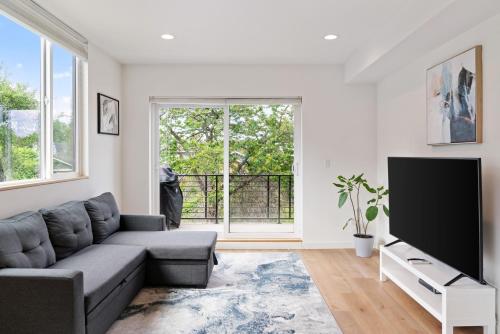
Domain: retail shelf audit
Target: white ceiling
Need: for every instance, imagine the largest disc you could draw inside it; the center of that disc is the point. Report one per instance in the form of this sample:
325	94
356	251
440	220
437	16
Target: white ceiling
234	31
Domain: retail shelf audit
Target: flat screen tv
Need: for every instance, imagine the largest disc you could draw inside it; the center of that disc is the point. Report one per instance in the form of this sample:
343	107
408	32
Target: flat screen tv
435	205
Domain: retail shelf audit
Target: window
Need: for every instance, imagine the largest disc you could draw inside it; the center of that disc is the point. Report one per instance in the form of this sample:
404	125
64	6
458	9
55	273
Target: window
38	107
63	110
20	116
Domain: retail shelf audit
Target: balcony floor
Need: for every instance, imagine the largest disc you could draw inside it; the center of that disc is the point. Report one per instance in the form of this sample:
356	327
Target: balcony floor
249	227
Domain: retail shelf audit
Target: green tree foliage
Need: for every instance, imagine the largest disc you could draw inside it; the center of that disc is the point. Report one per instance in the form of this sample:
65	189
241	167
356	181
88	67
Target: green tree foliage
16	96
25	162
260	139
63	145
18	155
191	140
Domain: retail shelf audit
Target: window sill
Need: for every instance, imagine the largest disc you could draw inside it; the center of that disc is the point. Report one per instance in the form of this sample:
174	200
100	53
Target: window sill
35	183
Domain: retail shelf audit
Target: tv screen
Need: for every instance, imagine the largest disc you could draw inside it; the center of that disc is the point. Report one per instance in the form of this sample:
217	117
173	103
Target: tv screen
435	206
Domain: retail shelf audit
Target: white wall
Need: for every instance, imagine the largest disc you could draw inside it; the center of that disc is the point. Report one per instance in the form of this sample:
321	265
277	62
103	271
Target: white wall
104	75
338	124
402	125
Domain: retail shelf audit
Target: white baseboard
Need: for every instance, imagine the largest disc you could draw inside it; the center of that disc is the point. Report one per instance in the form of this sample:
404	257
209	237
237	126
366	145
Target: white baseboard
259	245
327	245
284	245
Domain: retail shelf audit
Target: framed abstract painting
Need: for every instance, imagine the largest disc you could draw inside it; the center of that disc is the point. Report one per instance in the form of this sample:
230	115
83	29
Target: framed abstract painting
108	118
455	100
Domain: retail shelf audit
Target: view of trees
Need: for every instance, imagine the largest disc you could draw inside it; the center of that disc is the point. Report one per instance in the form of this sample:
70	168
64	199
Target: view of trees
260	139
63	141
20	142
191	140
19	156
260	144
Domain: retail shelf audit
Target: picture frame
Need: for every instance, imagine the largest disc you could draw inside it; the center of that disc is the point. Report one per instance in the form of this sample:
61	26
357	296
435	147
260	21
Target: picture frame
108	115
454	94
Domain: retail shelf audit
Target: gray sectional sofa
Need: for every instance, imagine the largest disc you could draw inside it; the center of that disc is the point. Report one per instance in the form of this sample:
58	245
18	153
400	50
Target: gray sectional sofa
74	268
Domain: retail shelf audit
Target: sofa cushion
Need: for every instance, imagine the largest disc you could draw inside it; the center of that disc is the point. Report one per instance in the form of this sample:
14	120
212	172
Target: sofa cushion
169	245
104	215
69	228
104	267
25	243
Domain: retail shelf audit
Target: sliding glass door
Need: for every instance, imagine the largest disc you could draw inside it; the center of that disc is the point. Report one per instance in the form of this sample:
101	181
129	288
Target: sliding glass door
235	160
261	158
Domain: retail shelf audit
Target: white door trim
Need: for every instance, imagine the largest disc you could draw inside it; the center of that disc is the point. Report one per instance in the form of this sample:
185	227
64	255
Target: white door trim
154	158
225	183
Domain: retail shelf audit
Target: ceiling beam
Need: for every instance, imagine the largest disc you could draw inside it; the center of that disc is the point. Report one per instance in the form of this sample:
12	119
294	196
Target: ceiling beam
408	40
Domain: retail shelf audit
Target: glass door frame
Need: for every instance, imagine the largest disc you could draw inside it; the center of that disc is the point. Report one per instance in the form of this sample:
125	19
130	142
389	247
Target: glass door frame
157	103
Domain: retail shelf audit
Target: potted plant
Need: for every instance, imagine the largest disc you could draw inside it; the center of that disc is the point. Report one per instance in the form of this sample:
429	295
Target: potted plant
349	189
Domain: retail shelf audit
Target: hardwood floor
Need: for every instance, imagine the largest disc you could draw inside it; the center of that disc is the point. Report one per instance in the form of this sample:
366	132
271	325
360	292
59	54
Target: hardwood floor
360	302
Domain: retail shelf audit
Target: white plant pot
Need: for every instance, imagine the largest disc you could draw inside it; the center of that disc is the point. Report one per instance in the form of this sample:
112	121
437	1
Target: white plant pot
363	244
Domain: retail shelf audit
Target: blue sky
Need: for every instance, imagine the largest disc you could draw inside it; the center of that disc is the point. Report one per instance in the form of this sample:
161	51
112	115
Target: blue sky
20	60
19	53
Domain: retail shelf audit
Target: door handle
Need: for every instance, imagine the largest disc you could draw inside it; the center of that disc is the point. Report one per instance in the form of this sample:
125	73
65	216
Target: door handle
295	168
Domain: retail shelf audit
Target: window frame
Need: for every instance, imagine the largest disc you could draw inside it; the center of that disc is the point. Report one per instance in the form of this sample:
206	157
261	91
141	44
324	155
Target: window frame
79	93
49	113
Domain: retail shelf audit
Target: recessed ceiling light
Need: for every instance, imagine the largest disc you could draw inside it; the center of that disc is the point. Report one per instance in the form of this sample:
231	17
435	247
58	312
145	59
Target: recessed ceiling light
167	36
331	37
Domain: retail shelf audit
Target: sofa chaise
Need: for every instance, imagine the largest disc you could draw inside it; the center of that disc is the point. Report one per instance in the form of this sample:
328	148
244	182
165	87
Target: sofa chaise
74	268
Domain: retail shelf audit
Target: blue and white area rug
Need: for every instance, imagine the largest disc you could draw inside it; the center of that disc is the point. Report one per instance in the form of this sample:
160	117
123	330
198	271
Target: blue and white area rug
253	293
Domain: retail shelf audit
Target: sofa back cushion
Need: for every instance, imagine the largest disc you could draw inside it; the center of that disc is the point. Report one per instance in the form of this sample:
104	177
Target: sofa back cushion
25	243
104	215
69	228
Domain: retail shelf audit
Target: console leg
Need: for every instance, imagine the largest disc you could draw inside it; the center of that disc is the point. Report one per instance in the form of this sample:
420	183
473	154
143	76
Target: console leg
382	276
489	329
446	328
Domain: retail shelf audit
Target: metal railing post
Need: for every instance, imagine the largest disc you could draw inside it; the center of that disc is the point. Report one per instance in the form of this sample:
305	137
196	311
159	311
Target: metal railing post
216	199
268	197
290	197
279	199
206	196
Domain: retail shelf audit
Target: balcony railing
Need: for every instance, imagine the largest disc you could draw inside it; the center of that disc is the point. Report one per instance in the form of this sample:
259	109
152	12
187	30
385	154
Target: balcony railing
252	198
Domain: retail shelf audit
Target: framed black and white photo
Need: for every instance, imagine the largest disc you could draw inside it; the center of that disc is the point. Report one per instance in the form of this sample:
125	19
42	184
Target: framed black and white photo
108	120
454	99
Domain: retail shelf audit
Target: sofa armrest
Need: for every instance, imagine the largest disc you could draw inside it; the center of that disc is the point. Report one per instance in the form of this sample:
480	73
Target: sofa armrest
41	301
142	223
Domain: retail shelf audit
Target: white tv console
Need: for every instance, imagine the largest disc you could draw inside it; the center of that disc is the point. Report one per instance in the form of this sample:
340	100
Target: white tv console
464	303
